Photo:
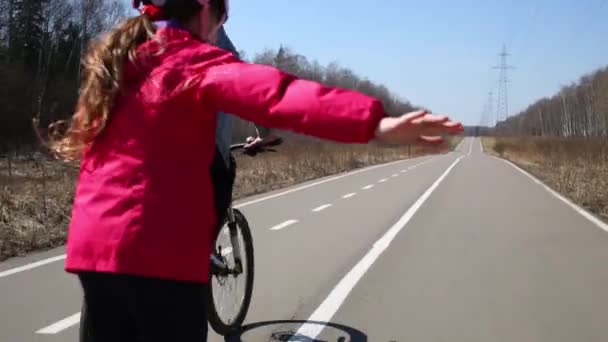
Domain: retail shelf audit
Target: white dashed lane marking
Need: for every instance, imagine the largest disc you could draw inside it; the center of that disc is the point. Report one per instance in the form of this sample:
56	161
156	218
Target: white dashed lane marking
284	225
322	207
60	326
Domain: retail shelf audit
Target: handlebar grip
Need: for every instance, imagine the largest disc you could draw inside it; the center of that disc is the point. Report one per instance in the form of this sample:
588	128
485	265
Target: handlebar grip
237	147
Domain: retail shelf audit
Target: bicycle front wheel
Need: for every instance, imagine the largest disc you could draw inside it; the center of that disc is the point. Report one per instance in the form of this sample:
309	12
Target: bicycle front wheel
231	287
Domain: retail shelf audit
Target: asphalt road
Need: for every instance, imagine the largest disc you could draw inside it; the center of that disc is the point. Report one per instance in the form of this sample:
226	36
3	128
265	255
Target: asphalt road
457	247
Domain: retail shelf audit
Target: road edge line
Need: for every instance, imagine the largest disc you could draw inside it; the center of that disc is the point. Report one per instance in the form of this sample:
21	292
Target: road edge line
583	212
32	265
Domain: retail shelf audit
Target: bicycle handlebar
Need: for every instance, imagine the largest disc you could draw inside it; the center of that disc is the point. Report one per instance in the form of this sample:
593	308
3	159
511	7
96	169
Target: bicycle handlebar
237	147
254	151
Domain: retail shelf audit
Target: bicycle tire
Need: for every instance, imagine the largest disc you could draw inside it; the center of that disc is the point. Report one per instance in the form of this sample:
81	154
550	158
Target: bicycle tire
218	325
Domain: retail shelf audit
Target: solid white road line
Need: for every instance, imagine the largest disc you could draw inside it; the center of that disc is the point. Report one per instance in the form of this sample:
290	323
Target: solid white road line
322	207
60	326
284	224
336	297
571	204
32	265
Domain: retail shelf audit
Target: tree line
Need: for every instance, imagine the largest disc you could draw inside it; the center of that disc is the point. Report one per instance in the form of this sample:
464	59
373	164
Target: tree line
577	110
41	42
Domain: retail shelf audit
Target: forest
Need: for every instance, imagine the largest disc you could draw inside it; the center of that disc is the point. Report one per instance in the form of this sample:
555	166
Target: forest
577	110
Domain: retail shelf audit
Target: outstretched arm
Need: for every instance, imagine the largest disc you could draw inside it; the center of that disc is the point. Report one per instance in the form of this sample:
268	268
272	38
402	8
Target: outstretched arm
269	97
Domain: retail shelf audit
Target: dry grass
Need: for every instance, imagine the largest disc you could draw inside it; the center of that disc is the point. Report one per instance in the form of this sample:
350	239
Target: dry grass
577	168
34	205
36	197
298	163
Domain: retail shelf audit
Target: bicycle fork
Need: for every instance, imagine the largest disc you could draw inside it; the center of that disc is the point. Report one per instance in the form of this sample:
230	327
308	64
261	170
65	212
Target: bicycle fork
234	239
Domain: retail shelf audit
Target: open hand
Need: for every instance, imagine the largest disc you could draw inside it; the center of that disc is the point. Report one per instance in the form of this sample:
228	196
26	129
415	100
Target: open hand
418	127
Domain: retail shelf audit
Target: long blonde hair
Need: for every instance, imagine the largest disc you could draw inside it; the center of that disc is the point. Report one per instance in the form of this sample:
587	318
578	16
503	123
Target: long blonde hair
102	81
103	77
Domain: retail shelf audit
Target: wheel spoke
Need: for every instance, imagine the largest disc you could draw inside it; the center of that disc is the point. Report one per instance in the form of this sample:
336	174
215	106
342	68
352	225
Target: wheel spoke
229	290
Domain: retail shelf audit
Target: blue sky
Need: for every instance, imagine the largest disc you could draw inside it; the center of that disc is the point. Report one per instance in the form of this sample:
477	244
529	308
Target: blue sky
437	54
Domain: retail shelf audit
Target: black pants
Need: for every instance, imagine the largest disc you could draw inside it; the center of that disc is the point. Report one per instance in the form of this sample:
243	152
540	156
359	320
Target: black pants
135	309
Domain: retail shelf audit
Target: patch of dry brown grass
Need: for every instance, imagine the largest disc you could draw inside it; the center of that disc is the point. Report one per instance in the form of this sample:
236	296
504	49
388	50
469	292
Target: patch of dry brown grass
36	198
577	168
34	205
299	163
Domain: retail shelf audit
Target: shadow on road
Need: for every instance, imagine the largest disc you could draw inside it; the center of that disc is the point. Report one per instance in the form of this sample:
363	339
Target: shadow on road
283	331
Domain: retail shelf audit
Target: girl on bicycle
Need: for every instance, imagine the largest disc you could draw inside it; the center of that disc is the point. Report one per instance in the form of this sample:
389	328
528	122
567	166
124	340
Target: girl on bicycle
142	223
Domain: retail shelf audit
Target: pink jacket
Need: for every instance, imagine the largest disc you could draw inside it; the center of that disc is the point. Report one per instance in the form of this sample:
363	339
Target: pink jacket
144	201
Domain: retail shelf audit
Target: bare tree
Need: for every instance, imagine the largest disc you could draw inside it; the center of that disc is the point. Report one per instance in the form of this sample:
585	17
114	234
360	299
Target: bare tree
577	110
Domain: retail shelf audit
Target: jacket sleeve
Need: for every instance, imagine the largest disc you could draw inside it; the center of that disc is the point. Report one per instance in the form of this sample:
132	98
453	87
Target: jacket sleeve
271	98
224	42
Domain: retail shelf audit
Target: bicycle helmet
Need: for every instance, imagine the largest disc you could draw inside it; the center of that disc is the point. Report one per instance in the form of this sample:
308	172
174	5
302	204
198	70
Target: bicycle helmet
155	9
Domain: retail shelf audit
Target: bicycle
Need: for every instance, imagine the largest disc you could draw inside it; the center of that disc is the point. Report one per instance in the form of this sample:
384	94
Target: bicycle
229	262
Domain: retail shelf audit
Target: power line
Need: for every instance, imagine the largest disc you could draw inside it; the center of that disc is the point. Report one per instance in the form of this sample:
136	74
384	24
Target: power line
538	13
502	108
490	109
487	114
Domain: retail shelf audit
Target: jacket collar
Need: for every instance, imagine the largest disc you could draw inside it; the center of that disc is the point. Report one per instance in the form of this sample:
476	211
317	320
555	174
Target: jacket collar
171	29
